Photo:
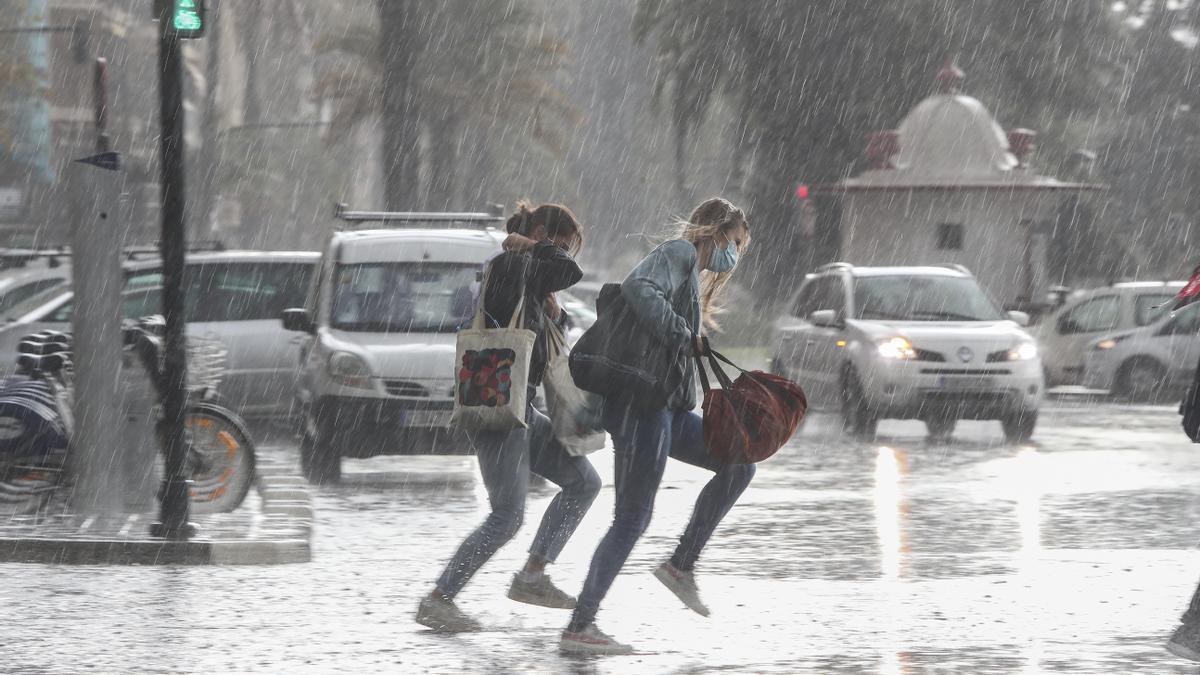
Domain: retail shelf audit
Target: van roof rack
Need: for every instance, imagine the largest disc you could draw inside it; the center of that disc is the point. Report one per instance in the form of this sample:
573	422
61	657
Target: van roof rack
954	266
835	266
421	218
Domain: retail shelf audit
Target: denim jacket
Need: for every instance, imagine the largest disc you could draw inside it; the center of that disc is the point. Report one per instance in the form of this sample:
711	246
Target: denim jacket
663	292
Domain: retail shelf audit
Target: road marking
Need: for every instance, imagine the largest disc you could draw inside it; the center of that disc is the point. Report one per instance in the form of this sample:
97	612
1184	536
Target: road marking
124	531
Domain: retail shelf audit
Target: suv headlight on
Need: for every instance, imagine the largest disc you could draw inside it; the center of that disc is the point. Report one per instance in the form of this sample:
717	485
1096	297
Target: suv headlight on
349	370
1023	351
897	348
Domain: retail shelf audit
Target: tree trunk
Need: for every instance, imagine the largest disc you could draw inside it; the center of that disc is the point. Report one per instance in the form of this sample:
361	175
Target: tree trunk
443	166
208	156
398	46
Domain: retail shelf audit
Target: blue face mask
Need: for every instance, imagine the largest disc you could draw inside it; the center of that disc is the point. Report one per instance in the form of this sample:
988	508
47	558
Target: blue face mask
722	259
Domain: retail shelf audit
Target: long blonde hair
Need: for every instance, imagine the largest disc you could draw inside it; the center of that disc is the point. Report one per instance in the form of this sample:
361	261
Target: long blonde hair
712	216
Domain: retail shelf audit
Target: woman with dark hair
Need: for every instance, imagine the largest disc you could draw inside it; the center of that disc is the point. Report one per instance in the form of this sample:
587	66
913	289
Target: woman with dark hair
536	258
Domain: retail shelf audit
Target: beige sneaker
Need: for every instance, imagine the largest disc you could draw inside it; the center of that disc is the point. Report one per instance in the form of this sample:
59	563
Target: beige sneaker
542	593
1185	642
683	585
445	617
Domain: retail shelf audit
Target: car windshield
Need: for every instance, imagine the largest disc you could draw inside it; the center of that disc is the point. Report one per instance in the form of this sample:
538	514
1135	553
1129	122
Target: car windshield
408	297
922	298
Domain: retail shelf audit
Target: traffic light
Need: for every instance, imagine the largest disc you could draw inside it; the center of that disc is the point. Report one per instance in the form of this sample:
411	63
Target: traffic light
186	18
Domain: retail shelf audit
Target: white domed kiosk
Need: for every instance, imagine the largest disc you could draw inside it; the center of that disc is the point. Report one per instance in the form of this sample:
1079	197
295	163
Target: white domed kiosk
950	186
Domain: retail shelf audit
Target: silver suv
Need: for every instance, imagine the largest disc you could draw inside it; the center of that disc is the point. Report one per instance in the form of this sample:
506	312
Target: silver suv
909	342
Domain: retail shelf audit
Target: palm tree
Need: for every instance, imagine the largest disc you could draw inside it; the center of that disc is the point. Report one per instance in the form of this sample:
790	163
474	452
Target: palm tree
18	78
478	76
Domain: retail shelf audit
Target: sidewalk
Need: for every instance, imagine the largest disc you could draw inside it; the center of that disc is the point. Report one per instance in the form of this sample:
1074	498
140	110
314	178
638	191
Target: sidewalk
273	526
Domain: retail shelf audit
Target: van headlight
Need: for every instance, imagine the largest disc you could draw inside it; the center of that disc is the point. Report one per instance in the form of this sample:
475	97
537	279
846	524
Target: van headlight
349	370
1024	351
897	348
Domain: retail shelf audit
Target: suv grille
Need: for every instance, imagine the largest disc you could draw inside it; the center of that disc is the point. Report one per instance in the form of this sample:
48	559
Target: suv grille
403	388
926	355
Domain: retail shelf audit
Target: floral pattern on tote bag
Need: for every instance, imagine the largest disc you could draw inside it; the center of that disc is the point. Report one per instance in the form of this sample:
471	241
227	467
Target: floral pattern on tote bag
485	377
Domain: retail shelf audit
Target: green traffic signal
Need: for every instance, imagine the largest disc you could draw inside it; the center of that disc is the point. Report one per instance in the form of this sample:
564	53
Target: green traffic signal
187	18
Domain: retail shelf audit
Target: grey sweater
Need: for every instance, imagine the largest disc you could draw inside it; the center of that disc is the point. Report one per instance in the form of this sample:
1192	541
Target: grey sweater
663	292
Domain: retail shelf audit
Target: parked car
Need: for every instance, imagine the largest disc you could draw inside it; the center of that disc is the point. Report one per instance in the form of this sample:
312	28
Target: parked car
909	342
234	298
1064	336
377	374
25	275
1147	363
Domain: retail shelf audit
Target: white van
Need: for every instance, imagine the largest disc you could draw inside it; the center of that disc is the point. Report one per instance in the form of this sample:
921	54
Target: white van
378	365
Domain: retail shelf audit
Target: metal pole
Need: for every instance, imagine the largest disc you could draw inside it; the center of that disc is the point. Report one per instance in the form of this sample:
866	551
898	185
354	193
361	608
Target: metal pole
174	498
98	455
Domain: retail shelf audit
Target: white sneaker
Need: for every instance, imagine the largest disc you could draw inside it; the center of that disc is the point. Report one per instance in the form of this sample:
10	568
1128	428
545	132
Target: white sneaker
683	585
444	616
590	641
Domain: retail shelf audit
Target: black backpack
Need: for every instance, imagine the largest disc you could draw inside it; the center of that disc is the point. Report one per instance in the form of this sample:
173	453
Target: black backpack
617	357
1189	408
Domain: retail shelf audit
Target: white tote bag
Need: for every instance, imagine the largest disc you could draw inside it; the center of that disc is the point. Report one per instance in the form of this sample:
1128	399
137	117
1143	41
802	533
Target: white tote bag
574	413
492	378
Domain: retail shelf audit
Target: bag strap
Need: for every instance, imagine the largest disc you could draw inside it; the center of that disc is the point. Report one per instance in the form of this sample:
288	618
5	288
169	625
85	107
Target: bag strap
722	378
518	315
555	340
477	321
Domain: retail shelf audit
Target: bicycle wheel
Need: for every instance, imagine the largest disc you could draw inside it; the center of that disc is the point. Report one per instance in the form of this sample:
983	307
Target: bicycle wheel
221	458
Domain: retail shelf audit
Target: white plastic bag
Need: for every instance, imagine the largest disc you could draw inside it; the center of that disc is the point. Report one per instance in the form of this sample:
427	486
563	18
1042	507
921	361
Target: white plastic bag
492	380
574	413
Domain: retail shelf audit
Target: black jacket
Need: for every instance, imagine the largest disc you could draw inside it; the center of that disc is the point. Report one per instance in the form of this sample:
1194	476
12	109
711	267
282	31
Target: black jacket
546	269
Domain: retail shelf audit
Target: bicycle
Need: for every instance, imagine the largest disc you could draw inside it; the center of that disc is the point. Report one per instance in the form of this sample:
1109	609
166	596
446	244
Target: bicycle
36	422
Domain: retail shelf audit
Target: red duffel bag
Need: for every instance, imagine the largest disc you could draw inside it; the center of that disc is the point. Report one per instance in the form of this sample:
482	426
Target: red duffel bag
748	419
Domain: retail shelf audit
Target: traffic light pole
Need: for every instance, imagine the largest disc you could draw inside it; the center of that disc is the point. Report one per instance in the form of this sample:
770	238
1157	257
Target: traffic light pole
174	505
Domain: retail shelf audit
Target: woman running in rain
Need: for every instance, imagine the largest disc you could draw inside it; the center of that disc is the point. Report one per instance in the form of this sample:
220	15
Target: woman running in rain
537	255
669	291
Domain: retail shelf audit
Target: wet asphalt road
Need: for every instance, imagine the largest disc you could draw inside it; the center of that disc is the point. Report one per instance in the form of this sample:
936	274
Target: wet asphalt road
1075	553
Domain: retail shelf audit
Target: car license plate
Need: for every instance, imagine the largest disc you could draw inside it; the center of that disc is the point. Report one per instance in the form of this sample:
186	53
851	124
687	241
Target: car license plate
427	418
966	382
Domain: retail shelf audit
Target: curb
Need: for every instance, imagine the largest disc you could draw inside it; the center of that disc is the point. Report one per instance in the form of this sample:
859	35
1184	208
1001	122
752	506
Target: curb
279	532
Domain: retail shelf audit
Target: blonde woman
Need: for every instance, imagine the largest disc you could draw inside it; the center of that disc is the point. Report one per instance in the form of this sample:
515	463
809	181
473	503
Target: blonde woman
670	292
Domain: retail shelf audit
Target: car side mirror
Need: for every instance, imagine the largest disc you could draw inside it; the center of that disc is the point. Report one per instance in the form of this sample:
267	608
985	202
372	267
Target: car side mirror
826	318
1019	318
297	320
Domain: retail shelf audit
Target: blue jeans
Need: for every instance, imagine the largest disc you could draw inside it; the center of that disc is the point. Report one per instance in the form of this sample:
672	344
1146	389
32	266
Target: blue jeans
642	441
505	460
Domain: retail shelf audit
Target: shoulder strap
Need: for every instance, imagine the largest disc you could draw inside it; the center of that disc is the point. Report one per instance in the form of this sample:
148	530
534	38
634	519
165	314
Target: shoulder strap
518	315
477	321
556	342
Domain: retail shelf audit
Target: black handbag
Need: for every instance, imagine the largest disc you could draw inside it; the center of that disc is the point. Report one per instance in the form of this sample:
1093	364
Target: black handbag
618	358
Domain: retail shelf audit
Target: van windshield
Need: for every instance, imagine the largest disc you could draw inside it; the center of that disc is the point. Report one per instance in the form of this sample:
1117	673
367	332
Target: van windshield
408	297
917	298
